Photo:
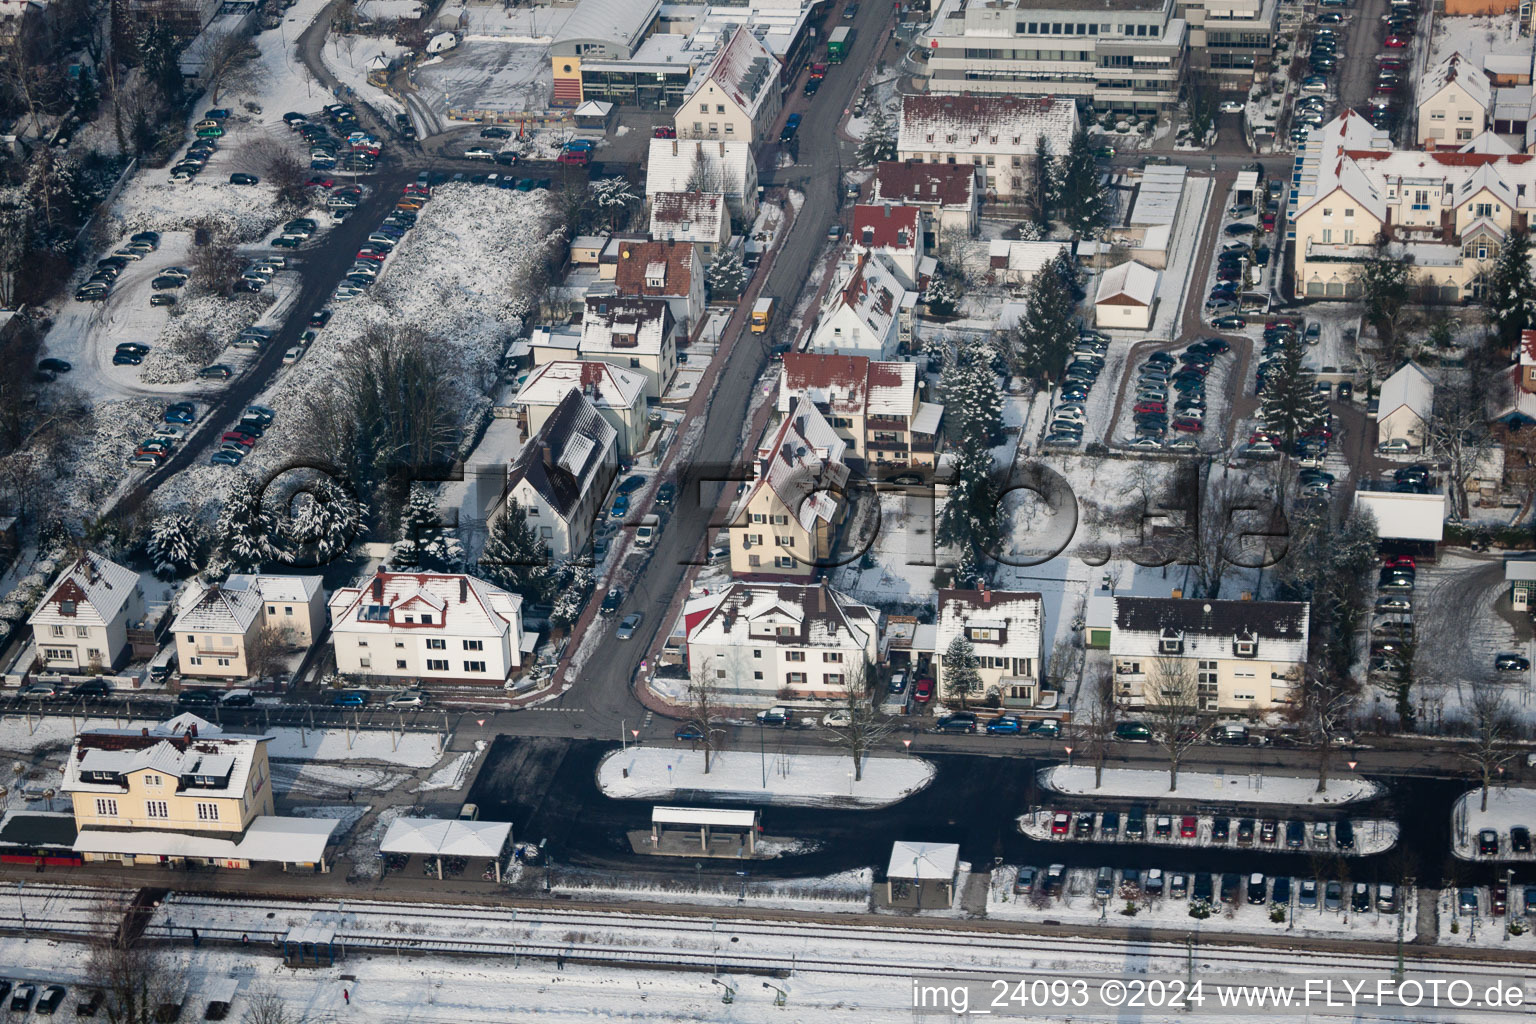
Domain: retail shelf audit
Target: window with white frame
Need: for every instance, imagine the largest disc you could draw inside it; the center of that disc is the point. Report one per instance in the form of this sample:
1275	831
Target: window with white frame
207	812
156	809
106	807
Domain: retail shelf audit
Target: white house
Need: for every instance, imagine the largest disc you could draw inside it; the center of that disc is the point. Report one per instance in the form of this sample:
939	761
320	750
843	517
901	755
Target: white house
83	621
664	270
736	96
698	217
686	165
1017	262
996	133
635	334
758	641
618	395
894	232
1126	297
215	623
1242	654
1006	630
1454	98
563	473
437	627
1403	409
867	310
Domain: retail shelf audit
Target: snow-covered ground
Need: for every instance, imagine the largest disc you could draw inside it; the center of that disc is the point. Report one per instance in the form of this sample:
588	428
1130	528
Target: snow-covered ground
1372	835
785	779
454	773
347	58
1464	926
1477	37
1255	788
308	779
406	749
1507	808
1078	905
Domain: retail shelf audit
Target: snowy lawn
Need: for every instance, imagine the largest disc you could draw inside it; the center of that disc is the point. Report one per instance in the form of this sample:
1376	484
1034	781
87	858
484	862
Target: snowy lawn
1078	905
1507	808
1465	926
453	774
1248	789
410	749
301	779
797	780
19	735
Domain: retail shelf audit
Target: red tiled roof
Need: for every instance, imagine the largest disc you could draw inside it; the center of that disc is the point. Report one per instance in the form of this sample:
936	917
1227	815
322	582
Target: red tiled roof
676	207
885	375
885	226
912	181
813	370
1444	157
634	257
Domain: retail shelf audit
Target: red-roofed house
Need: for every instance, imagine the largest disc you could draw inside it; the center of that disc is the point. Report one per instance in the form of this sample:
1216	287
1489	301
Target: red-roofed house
893	231
945	193
664	270
787	521
698	217
995	133
867	311
873	406
736	98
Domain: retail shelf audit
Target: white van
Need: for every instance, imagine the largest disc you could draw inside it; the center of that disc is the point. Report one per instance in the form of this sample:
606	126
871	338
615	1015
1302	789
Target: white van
646	532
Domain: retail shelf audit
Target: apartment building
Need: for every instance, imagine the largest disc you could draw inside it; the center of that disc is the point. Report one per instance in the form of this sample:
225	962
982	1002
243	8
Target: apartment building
1005	629
1445	211
1124	56
756	643
563	473
697	217
1244	655
787	521
632	333
1232	40
217	623
1455	100
618	396
735	97
997	134
83	622
894	232
875	407
668	270
696	165
867	311
945	194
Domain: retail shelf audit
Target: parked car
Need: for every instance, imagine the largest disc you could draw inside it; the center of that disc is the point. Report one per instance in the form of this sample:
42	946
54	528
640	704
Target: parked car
627	626
1024	881
350	699
1306	893
1257	888
1488	843
1333	896
1061	823
960	721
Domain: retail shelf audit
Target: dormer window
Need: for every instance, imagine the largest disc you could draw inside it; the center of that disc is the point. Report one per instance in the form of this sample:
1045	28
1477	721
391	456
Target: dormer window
1171	642
1245	645
426	618
981	634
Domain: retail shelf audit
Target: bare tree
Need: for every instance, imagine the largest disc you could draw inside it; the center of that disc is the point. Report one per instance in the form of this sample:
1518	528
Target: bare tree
1171	698
1097	729
1493	727
230	63
134	979
265	652
1457	433
866	726
1323	710
703	709
264	1006
1217	516
216	265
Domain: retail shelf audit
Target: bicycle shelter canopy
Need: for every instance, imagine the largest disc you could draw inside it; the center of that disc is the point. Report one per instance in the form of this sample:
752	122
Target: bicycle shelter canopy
440	837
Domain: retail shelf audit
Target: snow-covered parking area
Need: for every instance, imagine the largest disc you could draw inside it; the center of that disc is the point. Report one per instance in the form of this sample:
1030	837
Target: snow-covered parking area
1371	836
799	780
1507	809
1466	918
1255	788
1079	904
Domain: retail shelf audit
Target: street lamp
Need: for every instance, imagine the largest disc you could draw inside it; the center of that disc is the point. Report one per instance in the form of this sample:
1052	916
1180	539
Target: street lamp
1069	757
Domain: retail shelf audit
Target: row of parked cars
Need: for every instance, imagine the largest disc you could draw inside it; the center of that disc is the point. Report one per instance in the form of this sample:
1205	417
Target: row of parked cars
998	725
1468	901
109	268
1203	887
348	149
1266	831
25	996
206	134
1392	627
1070	414
1186	376
237	442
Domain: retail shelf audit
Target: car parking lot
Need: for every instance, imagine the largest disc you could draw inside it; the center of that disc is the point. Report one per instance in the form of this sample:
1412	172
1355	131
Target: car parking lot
1170	403
1345	837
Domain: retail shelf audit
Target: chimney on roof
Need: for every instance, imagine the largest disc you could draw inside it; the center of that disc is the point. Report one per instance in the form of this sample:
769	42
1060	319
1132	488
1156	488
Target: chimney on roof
986	593
546	455
144	730
378	590
1246	595
868	235
887	211
1178	593
463	589
192	730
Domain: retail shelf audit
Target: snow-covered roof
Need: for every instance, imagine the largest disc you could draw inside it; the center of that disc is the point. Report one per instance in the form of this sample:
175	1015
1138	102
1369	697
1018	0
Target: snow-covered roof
565	459
621	22
892	388
743	69
801	461
850	385
1488	142
270	838
985	124
1016	617
1130	283
92	591
593	108
925	184
871	288
433	837
1026	258
1507	63
1209	629
670	164
1410	386
606	386
453	603
1159	195
927	418
625	326
1519	568
689	216
222	764
1455	69
715	816
886	226
923	861
231	606
809	615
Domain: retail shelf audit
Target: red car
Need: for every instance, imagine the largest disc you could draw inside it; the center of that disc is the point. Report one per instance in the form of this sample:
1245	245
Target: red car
1188	426
319	182
664	131
369	254
1282	322
1061	823
1394	42
1188	827
579	157
238	438
1399	562
1151	407
1269	222
1264	435
922	692
414	189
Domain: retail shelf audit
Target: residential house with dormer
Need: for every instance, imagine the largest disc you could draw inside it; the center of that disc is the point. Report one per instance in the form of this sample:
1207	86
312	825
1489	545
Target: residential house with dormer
786	522
894	232
82	623
867	311
687	165
635	334
874	406
216	623
736	97
997	135
760	642
560	477
1006	629
699	218
1454	100
945	194
432	627
618	395
664	270
1244	655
